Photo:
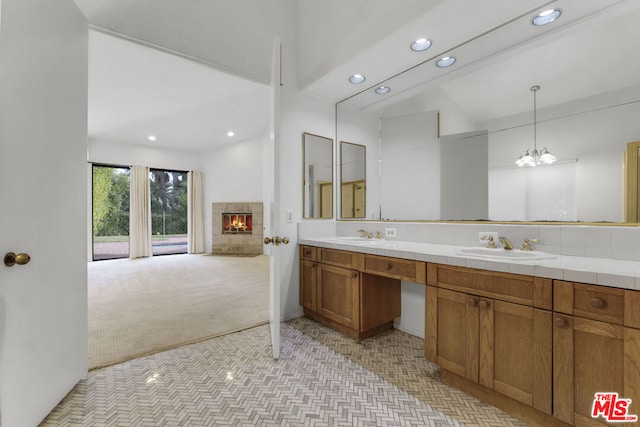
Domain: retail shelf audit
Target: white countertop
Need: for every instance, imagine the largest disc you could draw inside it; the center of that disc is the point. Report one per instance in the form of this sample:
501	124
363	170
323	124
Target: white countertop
598	271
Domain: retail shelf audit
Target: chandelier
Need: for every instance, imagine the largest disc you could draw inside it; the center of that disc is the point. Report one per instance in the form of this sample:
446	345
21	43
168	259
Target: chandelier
534	157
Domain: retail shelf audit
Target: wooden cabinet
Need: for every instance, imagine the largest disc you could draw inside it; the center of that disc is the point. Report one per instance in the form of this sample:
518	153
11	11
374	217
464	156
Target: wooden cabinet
335	292
403	269
339	295
596	349
308	278
475	330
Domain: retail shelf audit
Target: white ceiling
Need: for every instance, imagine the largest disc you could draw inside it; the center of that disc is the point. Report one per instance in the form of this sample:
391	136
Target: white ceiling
135	91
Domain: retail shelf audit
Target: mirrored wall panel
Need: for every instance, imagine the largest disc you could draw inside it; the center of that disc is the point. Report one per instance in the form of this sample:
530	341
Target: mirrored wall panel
317	152
445	141
353	181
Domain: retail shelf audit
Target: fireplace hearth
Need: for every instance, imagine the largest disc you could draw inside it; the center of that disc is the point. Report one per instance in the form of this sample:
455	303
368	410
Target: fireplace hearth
237	228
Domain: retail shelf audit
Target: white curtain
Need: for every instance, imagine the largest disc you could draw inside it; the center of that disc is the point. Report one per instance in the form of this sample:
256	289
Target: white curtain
140	213
195	219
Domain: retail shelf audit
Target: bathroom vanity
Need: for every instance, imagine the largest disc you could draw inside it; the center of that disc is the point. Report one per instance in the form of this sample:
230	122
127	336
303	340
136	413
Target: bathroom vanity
537	347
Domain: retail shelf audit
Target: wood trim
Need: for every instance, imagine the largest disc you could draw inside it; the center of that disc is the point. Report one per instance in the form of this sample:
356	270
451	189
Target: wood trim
431	324
487	343
563	296
563	374
632	310
632	368
510	406
397	268
543	360
432	274
589	326
543	293
472	340
631	182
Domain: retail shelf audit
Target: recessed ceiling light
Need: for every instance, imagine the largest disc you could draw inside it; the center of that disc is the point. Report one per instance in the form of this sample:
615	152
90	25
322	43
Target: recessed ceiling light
546	17
152	138
382	90
446	61
420	45
356	78
230	133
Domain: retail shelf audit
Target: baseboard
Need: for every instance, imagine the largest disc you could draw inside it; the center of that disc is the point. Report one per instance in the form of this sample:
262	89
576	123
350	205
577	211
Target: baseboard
397	324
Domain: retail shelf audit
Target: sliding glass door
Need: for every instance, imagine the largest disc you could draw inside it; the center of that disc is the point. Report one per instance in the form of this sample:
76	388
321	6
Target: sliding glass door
110	190
168	211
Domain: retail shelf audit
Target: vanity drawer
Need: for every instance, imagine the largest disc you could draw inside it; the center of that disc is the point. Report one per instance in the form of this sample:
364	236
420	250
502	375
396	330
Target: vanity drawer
340	258
412	271
590	301
510	287
308	252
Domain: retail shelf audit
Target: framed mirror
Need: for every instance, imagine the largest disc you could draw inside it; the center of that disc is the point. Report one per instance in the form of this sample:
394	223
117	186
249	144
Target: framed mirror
317	153
353	180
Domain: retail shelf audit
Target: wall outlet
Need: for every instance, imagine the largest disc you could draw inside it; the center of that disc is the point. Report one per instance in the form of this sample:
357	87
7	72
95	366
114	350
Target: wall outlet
484	235
390	232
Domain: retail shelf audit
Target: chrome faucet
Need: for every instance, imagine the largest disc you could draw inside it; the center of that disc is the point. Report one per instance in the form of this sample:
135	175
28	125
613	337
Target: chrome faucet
526	246
506	243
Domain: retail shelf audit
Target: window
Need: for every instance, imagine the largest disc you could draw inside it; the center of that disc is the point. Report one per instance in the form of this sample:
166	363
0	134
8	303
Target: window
110	190
168	211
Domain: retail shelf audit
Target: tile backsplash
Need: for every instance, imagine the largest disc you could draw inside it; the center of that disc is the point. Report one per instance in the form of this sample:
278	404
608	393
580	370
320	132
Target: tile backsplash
616	242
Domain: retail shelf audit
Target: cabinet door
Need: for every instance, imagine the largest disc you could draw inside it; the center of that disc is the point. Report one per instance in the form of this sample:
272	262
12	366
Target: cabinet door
591	357
458	333
339	295
308	289
516	352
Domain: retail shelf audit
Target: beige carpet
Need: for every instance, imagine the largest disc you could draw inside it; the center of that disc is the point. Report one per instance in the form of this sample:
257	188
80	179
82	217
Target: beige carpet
142	306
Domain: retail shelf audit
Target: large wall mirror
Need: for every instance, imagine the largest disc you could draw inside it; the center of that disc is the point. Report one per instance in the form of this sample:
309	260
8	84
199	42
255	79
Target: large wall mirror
353	180
317	152
444	141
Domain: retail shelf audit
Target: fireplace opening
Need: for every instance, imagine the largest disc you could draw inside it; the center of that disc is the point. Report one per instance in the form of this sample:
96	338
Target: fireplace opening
237	223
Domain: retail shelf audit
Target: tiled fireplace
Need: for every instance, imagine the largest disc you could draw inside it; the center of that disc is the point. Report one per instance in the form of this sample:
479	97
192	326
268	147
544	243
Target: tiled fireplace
237	228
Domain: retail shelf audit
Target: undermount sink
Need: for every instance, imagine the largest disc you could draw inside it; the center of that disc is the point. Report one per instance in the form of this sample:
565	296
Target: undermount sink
500	253
362	241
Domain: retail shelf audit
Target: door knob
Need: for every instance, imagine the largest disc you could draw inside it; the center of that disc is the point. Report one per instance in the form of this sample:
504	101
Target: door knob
11	259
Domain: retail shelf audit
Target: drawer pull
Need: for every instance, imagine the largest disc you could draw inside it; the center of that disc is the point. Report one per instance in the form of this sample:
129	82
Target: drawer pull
597	302
354	275
483	304
560	322
389	266
472	302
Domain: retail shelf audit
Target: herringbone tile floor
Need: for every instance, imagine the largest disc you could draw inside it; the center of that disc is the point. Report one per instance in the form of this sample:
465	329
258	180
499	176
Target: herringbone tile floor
321	379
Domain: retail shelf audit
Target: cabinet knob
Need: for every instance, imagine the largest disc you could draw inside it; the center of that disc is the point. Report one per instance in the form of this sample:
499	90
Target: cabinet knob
472	302
560	322
354	275
483	304
597	302
389	266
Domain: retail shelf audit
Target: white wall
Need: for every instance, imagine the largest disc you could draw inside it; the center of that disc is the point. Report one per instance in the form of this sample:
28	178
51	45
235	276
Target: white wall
232	173
464	182
410	179
361	128
129	155
595	131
